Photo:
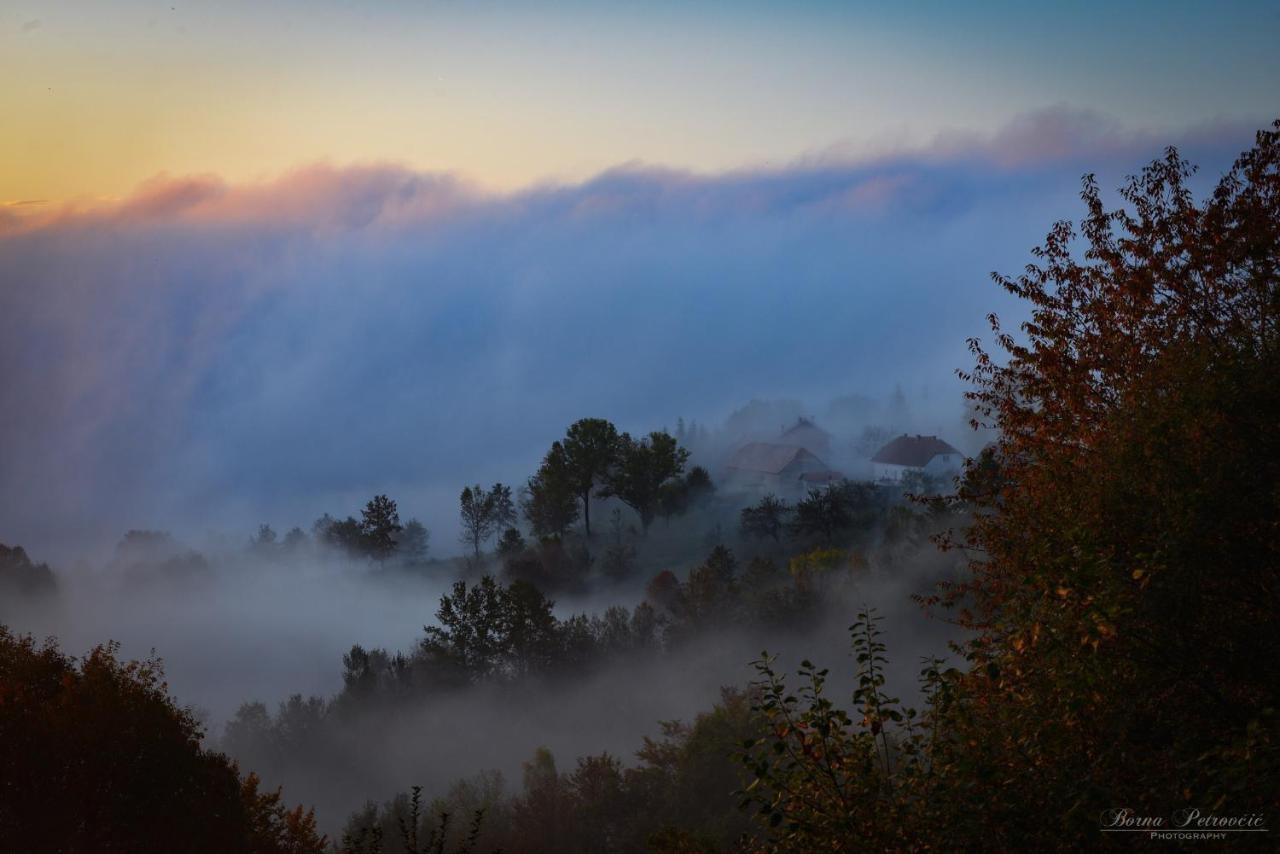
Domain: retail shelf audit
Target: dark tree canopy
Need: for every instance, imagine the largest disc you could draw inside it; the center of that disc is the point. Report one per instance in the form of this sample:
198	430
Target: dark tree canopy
488	629
379	525
767	518
343	535
644	466
836	509
96	756
591	447
413	542
823	513
550	503
681	494
1123	555
21	574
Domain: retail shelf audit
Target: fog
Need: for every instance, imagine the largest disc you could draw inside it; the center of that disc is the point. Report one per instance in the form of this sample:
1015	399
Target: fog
232	627
208	356
232	624
200	358
245	630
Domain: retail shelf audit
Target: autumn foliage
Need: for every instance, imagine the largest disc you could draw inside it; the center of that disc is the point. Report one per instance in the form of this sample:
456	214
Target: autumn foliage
1124	575
95	756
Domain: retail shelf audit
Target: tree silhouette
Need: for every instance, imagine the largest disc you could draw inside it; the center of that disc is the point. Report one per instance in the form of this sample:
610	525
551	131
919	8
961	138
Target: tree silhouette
550	504
591	447
379	525
96	756
642	468
767	518
413	542
484	513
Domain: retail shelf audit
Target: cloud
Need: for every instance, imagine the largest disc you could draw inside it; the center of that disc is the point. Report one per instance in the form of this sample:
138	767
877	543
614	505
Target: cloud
207	354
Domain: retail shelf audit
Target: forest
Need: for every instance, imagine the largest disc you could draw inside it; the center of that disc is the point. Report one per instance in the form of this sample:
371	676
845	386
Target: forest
1080	623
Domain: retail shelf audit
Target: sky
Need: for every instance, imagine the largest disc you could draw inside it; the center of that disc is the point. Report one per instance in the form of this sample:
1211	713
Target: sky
262	261
98	97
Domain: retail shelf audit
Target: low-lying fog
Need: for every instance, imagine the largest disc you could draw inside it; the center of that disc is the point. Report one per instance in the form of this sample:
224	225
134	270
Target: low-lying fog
240	628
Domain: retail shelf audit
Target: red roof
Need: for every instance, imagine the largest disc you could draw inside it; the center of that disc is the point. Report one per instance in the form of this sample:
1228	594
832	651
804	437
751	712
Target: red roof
915	451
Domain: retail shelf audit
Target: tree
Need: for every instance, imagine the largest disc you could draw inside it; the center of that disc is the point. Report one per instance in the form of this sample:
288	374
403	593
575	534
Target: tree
484	513
265	542
678	495
96	756
591	447
767	518
710	589
698	485
446	827
823	512
840	507
413	541
619	557
18	572
1124	559
344	535
550	504
511	543
664	590
530	642
1134	503
266	536
468	634
642	468
294	540
489	630
378	527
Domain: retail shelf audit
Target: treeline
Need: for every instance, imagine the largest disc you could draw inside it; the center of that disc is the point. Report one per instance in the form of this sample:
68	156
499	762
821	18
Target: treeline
20	575
491	632
670	798
592	462
825	514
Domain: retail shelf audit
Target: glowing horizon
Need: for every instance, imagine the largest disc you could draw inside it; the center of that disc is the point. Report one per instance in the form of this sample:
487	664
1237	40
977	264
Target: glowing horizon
104	100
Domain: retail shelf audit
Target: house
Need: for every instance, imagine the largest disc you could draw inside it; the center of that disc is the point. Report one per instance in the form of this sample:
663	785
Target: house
925	454
767	467
808	435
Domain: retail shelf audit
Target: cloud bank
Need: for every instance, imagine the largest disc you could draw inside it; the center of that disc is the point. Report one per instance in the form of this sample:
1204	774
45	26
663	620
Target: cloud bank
205	355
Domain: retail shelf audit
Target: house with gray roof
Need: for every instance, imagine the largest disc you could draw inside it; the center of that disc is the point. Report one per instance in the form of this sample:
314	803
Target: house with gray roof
780	469
925	454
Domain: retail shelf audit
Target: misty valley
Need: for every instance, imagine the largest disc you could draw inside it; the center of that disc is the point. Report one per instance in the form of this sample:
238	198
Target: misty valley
347	663
639	428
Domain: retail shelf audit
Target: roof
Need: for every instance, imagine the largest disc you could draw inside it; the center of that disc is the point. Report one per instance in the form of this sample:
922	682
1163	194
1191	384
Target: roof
805	427
913	451
769	459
